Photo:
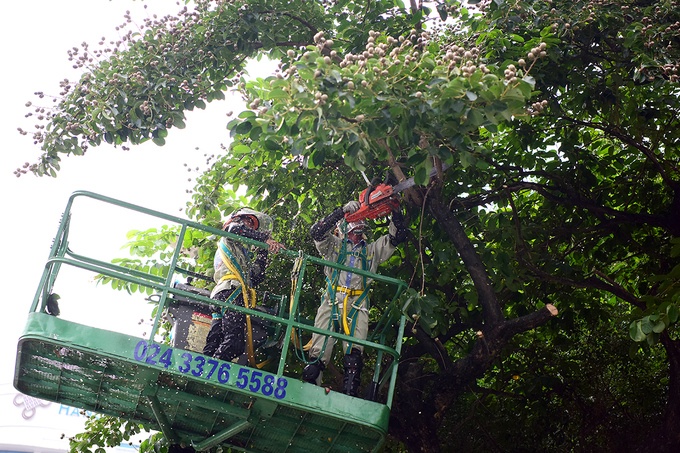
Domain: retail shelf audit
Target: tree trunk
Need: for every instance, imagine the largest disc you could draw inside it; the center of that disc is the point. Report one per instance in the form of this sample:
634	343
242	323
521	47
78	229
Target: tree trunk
412	420
667	438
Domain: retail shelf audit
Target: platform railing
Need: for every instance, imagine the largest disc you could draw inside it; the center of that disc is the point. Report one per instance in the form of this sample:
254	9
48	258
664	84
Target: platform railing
61	254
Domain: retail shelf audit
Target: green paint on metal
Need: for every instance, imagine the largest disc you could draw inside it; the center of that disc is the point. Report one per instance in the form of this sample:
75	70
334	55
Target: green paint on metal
192	398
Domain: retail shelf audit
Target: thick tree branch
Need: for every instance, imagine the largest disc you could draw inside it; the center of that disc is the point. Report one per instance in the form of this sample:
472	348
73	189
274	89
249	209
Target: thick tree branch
433	347
311	27
627	139
573	198
609	285
528	322
454	230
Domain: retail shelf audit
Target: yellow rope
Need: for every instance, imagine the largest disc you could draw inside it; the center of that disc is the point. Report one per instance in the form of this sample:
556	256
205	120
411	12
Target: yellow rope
345	325
293	287
348	293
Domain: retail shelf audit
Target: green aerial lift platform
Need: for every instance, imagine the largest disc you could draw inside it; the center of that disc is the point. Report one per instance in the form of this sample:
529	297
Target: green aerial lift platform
196	400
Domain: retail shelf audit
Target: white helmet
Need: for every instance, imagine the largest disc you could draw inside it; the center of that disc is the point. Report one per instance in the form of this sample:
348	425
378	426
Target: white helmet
261	222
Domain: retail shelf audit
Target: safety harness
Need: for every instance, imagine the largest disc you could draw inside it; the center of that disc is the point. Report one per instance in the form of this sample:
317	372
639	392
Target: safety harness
333	288
249	295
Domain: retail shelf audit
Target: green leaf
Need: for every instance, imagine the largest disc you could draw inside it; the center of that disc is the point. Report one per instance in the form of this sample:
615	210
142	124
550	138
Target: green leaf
466	159
443	11
652	339
278	94
422	176
636	333
515	94
476	118
240	149
160	141
659	326
530	82
271	145
243	128
178	122
246	114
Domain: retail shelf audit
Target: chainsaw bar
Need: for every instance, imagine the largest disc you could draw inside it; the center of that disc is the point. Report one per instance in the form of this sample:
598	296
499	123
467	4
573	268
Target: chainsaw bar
410	182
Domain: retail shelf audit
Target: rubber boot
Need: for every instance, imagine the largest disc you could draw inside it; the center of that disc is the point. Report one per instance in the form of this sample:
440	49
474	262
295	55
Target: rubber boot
352	378
312	371
241	359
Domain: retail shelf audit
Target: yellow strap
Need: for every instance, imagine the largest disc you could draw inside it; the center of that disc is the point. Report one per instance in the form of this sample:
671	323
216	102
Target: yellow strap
348	291
293	336
263	364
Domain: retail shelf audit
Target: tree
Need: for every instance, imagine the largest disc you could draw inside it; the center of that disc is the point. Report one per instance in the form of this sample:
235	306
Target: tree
552	127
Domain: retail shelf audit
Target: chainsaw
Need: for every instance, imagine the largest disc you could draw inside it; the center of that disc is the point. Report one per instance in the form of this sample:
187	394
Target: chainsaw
380	200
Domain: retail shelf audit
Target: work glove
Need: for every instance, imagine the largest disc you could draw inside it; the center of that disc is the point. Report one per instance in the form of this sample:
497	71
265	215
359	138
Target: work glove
351	207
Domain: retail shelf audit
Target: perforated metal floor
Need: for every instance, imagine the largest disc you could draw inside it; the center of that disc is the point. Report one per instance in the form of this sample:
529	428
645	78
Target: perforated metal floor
113	374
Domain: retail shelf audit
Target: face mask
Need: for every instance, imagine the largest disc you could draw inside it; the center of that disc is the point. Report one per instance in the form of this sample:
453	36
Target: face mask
357	231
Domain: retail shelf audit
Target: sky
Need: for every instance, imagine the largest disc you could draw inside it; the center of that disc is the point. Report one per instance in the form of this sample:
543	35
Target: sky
36	35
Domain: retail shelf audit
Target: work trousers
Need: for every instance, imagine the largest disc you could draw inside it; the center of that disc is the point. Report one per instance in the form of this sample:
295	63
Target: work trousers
322	320
227	336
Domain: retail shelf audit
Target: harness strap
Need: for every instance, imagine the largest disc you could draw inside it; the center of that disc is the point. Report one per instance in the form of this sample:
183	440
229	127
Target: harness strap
353	315
349	291
333	288
356	306
229	277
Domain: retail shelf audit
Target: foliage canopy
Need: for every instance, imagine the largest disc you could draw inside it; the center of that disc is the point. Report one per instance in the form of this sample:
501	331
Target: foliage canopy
553	127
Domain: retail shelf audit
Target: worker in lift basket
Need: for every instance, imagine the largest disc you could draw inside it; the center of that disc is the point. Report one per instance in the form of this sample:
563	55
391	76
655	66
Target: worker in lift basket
344	304
236	274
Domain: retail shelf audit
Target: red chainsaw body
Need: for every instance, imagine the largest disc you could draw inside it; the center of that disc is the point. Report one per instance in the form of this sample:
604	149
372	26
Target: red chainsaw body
380	202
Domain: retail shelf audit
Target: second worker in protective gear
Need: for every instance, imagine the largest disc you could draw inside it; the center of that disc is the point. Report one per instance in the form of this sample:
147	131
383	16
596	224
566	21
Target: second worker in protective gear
236	274
344	304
